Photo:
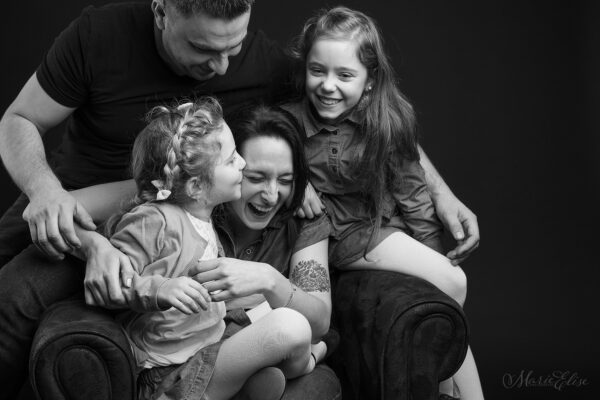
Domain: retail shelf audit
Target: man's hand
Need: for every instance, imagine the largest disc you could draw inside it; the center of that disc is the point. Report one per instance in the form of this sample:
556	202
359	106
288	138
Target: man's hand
50	216
312	206
106	270
461	222
185	294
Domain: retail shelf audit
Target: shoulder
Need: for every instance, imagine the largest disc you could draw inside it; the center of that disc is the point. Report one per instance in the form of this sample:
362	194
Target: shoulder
155	215
296	109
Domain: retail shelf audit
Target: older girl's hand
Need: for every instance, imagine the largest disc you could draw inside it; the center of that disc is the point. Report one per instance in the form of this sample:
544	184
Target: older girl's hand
312	206
228	278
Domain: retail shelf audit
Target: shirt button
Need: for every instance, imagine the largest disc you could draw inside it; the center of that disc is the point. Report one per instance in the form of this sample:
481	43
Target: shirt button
249	250
334	150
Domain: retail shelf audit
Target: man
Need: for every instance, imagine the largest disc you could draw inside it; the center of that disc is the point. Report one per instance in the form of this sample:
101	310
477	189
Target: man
103	73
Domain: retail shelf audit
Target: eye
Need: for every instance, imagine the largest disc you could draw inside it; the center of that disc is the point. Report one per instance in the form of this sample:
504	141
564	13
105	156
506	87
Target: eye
286	181
315	70
346	76
253	178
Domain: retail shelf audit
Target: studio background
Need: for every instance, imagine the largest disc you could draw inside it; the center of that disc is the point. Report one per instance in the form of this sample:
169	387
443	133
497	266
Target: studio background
506	94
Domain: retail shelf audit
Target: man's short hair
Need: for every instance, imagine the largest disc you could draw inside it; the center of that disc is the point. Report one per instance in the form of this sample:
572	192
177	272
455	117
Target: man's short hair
225	9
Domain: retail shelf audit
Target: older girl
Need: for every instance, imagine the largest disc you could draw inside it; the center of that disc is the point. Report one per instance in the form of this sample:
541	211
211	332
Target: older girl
364	161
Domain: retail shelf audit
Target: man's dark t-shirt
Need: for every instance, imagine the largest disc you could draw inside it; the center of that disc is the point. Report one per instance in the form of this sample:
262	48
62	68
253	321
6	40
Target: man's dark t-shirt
106	65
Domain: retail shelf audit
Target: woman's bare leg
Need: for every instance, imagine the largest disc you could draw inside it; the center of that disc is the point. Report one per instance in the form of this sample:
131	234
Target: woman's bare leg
266	384
281	338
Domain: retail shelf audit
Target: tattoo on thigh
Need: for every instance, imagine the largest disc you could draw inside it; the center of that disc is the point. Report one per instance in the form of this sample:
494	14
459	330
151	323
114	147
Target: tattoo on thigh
310	276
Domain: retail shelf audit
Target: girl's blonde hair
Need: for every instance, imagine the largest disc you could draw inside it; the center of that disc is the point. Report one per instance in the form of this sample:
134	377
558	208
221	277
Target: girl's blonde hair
175	146
388	126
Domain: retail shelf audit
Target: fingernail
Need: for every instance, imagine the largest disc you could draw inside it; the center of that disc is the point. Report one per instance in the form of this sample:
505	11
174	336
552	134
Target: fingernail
128	282
459	235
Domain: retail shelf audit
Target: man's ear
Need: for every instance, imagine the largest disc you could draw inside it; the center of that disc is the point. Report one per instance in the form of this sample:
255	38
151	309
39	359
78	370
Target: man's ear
158	9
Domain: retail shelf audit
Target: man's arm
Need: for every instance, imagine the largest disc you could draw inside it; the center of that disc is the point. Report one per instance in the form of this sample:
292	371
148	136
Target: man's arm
51	209
455	216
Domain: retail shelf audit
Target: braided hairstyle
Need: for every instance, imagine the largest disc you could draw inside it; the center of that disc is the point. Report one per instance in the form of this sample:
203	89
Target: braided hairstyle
175	146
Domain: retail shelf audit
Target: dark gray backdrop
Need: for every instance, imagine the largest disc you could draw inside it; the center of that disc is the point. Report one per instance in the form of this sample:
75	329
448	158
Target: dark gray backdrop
506	93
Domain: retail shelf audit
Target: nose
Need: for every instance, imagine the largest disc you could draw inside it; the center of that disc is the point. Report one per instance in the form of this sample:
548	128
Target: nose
271	193
219	63
328	83
241	162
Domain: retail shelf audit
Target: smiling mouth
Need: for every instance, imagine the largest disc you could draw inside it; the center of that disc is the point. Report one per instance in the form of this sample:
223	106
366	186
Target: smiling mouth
328	101
259	211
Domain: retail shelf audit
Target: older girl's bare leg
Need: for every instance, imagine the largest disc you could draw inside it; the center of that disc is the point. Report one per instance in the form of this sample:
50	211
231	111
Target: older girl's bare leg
401	253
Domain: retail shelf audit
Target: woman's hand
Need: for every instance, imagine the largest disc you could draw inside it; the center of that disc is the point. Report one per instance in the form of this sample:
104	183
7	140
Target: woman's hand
183	293
228	278
105	270
312	206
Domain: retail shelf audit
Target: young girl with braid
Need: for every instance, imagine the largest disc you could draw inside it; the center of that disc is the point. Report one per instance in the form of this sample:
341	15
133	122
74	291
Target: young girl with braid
184	164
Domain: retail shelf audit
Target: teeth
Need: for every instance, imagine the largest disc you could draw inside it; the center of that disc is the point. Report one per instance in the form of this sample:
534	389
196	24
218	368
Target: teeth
263	209
260	209
328	101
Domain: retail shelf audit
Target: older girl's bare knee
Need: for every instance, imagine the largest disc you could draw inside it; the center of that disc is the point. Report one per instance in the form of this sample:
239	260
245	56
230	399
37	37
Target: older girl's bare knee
458	283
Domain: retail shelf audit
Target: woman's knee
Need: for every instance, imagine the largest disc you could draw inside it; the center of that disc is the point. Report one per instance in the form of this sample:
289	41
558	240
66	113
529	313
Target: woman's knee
290	330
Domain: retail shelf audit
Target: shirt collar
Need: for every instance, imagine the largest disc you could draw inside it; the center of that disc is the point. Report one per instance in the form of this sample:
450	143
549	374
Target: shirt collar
312	125
223	220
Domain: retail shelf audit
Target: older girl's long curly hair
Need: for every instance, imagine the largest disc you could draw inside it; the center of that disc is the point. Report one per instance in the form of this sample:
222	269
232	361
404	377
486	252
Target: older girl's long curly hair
387	134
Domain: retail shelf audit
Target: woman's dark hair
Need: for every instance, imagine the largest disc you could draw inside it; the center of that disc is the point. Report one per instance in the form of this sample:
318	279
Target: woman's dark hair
388	126
274	122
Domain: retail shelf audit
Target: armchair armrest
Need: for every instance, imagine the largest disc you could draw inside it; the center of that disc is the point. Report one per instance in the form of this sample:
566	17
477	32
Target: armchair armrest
80	352
400	335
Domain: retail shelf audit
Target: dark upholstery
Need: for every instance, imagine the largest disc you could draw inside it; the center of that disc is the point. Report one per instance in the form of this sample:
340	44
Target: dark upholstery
399	337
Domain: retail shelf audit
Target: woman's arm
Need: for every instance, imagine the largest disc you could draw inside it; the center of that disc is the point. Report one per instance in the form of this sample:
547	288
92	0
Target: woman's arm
102	201
307	291
309	272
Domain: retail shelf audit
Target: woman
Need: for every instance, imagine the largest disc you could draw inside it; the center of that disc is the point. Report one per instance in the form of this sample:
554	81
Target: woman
279	260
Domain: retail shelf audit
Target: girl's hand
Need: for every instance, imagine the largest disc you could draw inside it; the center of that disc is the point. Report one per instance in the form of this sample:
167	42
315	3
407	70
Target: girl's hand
185	294
228	278
312	206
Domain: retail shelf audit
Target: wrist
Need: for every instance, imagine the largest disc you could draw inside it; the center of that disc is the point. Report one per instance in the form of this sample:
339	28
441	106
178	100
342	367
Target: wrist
44	185
439	189
92	242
